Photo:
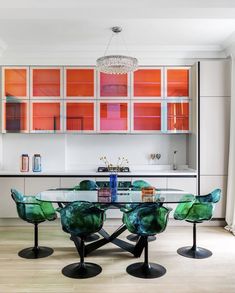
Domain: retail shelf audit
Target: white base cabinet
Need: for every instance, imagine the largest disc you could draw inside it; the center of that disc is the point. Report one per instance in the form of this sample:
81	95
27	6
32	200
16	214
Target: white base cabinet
186	184
7	205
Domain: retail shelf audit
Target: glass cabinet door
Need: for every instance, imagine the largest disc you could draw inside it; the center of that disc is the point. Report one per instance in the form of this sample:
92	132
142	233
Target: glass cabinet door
178	116
15	116
177	80
46	82
146	116
46	116
80	116
113	116
15	82
113	85
147	83
79	82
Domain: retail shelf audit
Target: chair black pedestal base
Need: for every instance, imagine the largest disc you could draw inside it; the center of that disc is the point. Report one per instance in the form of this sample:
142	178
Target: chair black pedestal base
150	271
91	238
78	271
32	252
191	252
135	238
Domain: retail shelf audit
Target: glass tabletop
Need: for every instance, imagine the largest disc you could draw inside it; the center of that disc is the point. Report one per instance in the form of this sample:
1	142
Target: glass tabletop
122	196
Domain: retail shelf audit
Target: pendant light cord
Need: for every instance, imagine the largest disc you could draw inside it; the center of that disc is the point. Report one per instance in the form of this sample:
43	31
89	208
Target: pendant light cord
109	42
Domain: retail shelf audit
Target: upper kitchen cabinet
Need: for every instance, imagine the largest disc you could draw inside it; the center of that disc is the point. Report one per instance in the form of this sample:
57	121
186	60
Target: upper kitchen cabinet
15	118
178	116
46	116
113	85
147	83
80	116
146	116
113	116
79	82
177	82
46	82
215	78
15	82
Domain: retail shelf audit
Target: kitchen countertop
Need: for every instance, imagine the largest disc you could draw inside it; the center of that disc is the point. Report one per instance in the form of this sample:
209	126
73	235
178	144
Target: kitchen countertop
85	173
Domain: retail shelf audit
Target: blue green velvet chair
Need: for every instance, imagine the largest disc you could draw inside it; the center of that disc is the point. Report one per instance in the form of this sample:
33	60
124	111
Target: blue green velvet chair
198	211
35	212
86	185
81	219
137	185
146	220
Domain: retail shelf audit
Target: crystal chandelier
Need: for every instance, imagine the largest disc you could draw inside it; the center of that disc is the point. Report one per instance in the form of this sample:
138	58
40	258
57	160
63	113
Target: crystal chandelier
116	64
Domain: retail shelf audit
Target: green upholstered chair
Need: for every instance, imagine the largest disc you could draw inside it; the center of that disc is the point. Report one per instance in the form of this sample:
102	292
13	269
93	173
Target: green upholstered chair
137	185
146	220
35	212
86	185
81	219
197	211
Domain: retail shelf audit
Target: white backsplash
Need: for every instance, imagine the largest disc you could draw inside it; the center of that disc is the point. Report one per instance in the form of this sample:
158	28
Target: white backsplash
82	152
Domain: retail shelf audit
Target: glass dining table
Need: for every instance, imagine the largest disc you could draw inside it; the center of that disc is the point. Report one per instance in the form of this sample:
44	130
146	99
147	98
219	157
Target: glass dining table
63	197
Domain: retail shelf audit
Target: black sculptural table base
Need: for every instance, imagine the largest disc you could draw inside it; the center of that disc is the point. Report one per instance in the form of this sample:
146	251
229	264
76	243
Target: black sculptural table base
135	250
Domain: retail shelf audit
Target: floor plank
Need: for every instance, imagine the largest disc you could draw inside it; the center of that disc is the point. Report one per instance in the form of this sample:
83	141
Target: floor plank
215	274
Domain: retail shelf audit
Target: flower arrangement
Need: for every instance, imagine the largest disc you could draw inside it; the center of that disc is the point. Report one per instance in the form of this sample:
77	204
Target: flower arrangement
121	162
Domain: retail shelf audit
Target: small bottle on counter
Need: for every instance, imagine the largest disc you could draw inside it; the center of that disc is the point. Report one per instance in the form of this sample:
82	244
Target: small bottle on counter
37	163
24	163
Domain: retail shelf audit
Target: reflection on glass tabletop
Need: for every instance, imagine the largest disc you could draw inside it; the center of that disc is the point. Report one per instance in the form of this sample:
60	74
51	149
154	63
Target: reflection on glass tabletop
122	196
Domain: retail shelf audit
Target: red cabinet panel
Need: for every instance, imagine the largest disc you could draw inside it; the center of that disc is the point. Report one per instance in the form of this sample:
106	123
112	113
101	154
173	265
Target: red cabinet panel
114	116
79	82
178	116
15	116
147	116
46	82
113	85
15	82
80	116
177	82
46	116
147	83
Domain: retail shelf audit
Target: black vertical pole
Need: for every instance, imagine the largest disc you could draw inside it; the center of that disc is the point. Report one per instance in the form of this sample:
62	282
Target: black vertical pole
194	237
82	253
146	253
35	236
199	132
54	124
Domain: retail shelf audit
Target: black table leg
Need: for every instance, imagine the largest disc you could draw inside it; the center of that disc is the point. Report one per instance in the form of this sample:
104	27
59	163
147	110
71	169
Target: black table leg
136	249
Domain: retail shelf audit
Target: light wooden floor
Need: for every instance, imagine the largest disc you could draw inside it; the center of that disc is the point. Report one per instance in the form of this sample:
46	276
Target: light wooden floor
215	274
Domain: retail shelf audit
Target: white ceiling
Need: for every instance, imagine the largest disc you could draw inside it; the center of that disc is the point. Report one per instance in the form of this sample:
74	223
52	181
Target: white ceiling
68	26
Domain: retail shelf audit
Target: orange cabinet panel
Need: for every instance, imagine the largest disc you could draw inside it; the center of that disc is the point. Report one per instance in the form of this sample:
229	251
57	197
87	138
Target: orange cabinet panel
15	82
46	82
46	116
178	82
113	85
80	116
114	116
79	82
15	116
147	116
147	83
178	116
